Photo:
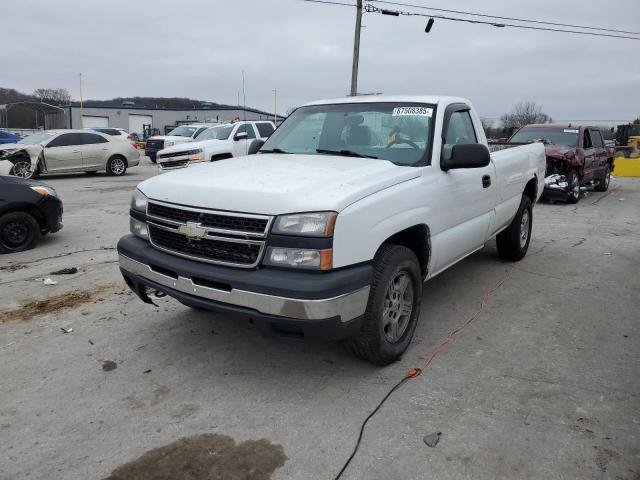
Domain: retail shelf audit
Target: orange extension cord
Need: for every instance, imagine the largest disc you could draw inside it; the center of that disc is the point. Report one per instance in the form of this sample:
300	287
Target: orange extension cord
415	372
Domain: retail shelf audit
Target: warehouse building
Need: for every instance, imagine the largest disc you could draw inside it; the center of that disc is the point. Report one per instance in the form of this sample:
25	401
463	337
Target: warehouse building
136	119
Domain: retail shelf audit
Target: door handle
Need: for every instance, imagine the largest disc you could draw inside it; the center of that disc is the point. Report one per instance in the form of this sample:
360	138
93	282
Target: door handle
486	181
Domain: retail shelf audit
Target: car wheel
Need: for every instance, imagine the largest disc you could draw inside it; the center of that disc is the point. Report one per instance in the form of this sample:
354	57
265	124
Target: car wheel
513	242
393	308
603	184
116	166
574	187
19	231
22	168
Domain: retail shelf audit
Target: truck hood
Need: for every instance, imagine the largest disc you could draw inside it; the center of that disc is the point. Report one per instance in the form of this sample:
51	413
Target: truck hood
274	184
175	138
557	151
193	145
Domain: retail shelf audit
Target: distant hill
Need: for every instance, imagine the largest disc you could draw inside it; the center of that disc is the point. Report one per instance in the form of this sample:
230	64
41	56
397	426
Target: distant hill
157	102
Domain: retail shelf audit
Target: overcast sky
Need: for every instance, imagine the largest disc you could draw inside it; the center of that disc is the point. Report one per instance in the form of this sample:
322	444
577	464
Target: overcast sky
198	49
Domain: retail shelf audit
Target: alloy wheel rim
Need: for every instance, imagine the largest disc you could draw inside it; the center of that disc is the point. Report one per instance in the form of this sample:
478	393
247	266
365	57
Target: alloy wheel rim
607	178
117	166
575	190
524	228
22	169
398	306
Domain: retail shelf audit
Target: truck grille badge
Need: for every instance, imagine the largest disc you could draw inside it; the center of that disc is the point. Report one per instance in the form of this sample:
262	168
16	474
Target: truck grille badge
193	230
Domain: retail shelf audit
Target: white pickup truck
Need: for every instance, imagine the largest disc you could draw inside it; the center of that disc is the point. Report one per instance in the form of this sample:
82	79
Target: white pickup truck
216	143
330	231
177	136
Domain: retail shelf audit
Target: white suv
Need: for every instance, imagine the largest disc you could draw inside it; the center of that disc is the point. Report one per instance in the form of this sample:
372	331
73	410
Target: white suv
216	143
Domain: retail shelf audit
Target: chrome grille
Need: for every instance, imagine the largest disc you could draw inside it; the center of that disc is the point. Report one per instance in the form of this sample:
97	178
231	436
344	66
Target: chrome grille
225	238
173	164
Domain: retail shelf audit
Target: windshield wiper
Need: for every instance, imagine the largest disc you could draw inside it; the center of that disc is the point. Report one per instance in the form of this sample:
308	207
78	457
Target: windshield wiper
344	153
273	150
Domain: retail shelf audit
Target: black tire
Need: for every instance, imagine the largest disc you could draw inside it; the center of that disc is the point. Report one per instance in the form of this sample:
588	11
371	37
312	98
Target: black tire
22	168
513	242
19	231
372	343
117	166
603	184
573	196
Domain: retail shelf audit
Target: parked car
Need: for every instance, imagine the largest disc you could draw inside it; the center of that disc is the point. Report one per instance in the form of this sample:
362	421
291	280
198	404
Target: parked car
8	137
576	156
114	132
331	230
181	134
67	151
216	143
28	210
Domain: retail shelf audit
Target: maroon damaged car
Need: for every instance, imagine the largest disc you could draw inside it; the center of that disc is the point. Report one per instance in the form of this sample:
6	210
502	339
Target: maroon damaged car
576	156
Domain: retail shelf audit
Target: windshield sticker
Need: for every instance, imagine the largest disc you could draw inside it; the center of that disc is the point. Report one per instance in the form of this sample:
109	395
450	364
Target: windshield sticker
413	111
567	130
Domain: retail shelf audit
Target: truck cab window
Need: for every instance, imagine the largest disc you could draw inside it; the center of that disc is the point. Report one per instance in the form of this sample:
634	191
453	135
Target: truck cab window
459	131
587	140
596	138
248	129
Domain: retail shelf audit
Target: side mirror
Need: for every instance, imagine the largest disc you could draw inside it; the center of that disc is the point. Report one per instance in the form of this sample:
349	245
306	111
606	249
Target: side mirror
241	136
255	146
468	155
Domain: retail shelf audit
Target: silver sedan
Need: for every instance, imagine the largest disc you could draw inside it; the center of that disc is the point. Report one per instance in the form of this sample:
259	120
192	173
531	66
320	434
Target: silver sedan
67	151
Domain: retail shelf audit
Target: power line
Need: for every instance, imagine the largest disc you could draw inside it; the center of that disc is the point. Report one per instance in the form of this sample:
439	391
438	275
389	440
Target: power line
329	2
371	9
475	14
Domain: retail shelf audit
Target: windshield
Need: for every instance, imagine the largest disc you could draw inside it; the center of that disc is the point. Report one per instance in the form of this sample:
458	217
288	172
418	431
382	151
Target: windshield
398	132
37	138
183	131
216	133
554	136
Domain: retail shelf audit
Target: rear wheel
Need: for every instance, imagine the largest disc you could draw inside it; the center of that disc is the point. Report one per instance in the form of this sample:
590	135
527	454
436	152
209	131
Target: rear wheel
19	231
116	166
603	184
574	187
513	242
393	309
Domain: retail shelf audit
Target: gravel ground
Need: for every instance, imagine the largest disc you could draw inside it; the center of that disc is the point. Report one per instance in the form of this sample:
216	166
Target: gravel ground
543	384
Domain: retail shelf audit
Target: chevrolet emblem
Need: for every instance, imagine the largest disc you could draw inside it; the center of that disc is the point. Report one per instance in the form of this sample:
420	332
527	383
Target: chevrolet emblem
193	230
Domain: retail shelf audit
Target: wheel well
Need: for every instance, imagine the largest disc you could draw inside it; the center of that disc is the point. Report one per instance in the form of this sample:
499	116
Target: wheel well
531	189
221	156
31	210
418	240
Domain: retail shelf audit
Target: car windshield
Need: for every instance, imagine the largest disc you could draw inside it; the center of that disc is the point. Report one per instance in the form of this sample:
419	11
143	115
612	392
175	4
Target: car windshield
216	133
37	138
554	136
183	131
398	132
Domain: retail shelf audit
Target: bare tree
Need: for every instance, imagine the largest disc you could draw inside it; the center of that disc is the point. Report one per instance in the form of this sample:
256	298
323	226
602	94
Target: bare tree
524	113
54	96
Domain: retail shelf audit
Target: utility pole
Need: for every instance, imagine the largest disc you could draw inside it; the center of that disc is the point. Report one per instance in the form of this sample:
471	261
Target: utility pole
275	106
356	50
81	107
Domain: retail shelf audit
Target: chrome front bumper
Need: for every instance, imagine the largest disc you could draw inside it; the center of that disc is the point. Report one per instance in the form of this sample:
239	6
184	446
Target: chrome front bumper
347	306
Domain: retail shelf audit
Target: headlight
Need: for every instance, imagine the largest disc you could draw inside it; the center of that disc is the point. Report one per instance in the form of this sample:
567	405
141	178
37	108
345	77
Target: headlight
139	201
44	191
169	143
195	155
138	228
300	257
314	224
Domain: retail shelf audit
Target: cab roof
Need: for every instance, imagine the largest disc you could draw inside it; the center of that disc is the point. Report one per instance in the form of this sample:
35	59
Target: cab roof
434	100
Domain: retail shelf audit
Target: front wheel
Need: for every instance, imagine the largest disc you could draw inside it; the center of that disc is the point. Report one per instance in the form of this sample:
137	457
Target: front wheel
19	231
22	168
116	166
513	242
574	187
393	308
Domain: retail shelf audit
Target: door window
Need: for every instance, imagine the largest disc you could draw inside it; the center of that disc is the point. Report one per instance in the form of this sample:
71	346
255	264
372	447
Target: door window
459	131
65	140
596	138
248	128
92	138
587	140
264	129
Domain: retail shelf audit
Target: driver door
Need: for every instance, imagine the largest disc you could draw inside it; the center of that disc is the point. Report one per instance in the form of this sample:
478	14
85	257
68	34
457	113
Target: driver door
468	195
241	146
63	153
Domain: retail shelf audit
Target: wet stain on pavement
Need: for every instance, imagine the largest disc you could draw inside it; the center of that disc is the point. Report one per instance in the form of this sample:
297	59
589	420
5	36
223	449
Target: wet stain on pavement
109	365
205	457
